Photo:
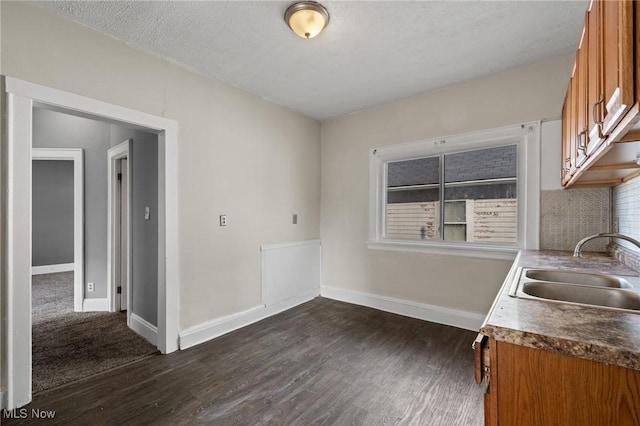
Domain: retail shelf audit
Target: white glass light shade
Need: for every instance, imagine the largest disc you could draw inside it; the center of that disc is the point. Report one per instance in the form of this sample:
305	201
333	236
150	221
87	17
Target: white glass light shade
307	19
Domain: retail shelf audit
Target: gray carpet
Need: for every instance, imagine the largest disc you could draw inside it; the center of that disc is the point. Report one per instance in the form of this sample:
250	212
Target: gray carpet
68	345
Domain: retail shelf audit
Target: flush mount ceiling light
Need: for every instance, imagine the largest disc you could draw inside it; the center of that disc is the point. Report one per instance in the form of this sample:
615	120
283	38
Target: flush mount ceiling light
306	18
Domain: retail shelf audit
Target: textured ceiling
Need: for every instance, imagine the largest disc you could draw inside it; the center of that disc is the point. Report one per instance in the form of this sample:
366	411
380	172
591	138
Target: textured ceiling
371	52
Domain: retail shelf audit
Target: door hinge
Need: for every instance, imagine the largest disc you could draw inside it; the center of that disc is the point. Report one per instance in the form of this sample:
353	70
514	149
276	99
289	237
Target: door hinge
119	290
119	176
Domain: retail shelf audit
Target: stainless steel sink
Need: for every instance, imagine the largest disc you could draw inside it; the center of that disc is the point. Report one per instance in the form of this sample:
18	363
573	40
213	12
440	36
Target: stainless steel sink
597	280
588	289
586	295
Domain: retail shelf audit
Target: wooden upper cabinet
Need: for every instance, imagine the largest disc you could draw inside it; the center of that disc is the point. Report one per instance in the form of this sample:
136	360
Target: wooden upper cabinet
602	106
617	64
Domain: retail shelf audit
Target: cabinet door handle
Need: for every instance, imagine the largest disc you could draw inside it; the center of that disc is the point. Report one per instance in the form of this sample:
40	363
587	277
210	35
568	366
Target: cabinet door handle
581	147
594	113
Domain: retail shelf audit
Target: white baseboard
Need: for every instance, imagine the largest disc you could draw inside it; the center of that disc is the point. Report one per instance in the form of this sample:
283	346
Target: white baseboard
209	330
3	400
95	305
51	269
144	328
432	313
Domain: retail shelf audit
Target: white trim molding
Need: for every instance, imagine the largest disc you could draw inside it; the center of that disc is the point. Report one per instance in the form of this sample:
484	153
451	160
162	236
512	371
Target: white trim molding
211	329
52	269
118	152
3	400
95	305
77	156
144	328
289	270
21	96
438	314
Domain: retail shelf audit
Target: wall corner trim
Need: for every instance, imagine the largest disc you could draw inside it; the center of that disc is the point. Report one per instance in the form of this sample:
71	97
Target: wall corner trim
95	305
209	330
144	328
438	314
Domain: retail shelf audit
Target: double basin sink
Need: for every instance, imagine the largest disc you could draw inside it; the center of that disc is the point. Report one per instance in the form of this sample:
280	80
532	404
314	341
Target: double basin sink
589	289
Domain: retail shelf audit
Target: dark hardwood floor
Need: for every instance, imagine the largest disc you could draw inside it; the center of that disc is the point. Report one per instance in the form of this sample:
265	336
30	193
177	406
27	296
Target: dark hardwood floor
323	362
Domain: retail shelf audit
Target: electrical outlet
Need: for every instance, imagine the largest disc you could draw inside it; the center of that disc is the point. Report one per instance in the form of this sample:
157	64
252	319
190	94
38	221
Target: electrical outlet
223	220
294	219
90	287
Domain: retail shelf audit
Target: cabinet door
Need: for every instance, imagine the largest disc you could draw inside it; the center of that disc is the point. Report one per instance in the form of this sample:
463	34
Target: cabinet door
573	121
566	137
485	353
581	100
617	61
595	96
537	387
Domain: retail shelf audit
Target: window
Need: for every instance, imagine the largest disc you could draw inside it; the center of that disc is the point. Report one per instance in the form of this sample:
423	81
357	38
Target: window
474	194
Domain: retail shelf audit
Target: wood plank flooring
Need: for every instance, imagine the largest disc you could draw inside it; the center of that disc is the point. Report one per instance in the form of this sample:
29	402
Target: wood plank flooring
323	362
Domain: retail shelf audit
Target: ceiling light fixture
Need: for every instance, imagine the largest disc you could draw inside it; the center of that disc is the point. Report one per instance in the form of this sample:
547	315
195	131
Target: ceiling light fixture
306	18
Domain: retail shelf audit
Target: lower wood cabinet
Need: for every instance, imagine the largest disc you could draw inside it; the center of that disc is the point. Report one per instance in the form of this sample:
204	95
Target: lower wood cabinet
530	387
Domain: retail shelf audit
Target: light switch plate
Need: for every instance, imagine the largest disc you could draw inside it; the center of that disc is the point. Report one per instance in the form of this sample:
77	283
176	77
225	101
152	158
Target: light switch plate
146	213
294	219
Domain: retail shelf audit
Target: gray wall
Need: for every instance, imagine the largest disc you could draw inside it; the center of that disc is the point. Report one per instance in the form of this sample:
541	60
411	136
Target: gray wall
144	188
56	130
52	197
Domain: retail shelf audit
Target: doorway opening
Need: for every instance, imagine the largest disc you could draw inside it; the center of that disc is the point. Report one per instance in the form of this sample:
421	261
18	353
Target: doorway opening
20	99
119	228
43	260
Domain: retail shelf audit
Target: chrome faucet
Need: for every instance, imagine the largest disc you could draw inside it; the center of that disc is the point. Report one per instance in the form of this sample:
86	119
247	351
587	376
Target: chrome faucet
576	252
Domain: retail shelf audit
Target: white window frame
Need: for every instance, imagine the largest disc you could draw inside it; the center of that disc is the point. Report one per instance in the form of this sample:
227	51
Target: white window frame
527	139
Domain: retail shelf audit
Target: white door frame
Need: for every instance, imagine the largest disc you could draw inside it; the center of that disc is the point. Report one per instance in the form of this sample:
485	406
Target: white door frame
20	99
118	152
75	155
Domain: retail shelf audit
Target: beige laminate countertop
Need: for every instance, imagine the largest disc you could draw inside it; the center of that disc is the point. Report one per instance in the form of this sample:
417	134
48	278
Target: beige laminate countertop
604	335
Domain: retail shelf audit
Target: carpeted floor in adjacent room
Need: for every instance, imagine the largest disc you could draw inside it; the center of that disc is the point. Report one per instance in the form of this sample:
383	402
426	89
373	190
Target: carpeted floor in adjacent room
68	345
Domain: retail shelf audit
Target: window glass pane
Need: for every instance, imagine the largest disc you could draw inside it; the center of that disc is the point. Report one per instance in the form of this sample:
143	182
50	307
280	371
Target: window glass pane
413	195
414	172
455	232
489	163
480	192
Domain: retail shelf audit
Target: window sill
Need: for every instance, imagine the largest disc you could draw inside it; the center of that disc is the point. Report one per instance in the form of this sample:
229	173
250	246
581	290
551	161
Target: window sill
450	249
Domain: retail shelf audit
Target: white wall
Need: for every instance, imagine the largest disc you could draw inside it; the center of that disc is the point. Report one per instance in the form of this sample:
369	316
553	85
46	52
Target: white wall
238	154
533	92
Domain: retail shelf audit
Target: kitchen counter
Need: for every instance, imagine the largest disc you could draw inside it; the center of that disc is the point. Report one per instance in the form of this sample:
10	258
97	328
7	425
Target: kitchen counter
608	336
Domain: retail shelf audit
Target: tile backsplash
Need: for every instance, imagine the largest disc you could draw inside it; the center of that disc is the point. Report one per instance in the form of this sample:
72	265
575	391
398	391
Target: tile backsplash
626	210
568	215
